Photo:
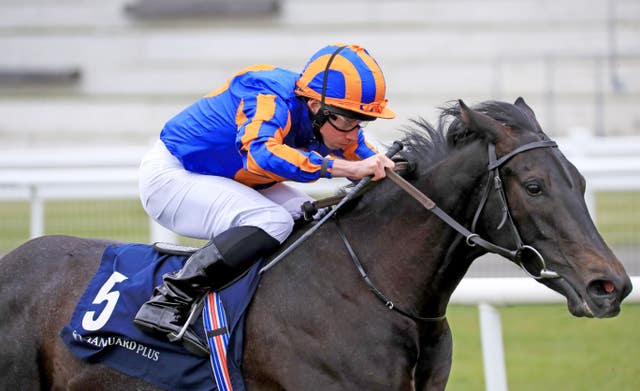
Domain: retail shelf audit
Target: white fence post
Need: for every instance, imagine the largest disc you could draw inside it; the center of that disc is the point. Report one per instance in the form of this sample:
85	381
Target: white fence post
36	226
495	375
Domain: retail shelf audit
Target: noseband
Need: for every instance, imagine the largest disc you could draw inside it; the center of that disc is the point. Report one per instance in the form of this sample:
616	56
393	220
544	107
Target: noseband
527	257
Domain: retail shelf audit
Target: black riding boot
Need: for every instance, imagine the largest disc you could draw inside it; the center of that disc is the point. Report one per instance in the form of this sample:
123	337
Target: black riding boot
215	265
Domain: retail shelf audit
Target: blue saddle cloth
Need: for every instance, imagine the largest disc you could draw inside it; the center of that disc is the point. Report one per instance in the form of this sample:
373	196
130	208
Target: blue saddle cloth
101	329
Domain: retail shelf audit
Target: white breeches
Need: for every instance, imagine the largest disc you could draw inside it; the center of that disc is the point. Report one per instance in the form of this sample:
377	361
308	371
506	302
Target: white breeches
203	206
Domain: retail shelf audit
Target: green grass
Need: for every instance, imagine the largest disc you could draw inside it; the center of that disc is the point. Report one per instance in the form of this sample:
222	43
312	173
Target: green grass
114	219
14	224
548	349
121	219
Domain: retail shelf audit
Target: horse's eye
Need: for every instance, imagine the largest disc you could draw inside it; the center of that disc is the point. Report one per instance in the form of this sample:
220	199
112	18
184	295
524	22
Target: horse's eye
534	189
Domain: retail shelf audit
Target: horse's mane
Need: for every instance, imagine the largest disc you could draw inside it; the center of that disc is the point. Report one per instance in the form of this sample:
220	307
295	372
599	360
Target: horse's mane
426	144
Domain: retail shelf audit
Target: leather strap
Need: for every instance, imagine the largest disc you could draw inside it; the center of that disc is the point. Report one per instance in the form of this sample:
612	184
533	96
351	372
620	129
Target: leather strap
472	239
536	144
363	273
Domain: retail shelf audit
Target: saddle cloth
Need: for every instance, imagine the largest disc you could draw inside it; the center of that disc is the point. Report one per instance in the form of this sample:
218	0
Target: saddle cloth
101	329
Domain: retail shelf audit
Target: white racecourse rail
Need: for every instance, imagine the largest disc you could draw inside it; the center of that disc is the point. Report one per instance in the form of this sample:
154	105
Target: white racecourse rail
39	175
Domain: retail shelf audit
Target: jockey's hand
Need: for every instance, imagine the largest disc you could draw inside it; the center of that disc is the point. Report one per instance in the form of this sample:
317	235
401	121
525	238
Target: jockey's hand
359	169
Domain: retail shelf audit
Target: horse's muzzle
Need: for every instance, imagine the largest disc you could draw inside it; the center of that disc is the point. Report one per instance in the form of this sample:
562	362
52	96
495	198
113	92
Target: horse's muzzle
601	298
606	294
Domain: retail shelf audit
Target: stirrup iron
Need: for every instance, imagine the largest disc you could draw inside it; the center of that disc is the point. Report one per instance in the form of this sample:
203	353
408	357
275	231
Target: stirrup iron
195	307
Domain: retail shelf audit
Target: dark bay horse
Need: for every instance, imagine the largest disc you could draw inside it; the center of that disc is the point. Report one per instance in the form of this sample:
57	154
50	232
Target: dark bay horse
315	323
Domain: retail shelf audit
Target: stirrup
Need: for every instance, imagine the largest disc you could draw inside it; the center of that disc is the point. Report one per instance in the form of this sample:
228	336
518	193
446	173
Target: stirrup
174	249
197	347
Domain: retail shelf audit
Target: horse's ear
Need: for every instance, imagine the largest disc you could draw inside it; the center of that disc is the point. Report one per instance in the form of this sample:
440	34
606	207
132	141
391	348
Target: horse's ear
477	121
521	104
524	106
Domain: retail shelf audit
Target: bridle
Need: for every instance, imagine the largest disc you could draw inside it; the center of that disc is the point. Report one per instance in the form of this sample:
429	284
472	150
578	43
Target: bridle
521	255
517	255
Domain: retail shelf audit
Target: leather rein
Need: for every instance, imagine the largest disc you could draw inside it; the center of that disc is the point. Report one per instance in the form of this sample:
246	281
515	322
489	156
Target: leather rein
521	254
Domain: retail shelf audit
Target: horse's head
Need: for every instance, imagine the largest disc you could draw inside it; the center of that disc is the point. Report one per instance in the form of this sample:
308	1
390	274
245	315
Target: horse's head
541	207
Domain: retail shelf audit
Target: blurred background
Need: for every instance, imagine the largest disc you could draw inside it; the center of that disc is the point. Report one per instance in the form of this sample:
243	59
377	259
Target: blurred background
86	86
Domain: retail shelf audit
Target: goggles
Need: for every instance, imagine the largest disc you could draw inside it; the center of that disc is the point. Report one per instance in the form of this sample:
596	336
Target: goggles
345	124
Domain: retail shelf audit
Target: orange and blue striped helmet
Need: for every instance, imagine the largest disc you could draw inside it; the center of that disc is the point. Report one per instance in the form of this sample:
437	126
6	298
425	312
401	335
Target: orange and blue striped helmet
346	77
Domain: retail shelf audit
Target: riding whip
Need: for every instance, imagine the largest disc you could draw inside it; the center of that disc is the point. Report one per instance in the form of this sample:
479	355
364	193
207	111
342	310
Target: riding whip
395	148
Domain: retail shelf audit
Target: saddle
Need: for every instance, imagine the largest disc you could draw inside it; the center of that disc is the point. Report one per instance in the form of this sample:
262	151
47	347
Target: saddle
101	328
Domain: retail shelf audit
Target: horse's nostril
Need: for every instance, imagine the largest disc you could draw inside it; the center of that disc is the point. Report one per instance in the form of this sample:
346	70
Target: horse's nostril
601	288
608	286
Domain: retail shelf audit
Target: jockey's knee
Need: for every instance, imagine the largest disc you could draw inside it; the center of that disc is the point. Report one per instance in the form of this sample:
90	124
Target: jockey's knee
275	220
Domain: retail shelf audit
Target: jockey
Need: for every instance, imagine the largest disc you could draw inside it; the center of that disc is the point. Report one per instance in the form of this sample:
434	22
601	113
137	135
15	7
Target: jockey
217	171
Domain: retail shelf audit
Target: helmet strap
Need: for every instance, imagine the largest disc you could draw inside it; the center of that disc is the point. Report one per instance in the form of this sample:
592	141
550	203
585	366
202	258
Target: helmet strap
318	119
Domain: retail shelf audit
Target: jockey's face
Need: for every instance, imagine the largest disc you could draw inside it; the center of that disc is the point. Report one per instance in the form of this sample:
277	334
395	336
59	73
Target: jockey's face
338	132
338	139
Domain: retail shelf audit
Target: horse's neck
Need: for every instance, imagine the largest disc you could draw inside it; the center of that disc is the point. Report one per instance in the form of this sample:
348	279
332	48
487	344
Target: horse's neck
411	252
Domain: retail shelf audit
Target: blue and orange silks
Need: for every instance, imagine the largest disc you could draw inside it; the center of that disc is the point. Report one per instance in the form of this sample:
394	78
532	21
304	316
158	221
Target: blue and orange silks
255	130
